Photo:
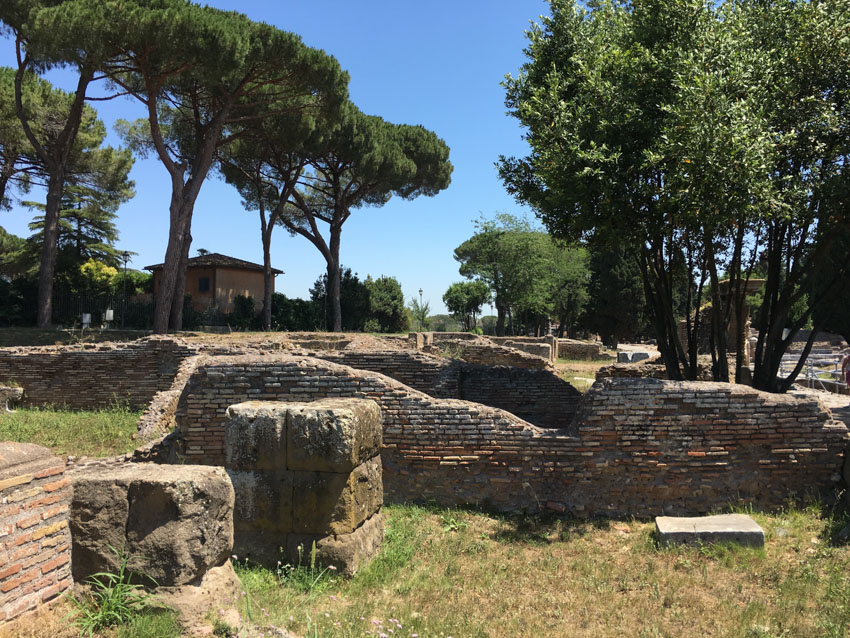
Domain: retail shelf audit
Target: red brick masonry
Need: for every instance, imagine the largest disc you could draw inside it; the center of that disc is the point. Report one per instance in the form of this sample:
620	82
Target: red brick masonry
636	446
35	547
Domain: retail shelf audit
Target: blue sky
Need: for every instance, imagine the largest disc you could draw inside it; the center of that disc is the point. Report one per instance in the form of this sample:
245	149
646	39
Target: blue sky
438	64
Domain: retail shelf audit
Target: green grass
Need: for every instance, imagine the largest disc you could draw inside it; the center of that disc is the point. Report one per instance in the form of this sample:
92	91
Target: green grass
91	433
459	573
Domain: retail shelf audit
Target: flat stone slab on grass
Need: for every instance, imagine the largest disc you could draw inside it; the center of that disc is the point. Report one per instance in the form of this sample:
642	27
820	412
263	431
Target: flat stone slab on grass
723	528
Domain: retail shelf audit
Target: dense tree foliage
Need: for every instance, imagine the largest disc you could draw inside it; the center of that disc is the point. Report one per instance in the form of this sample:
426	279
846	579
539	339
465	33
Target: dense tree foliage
707	138
362	161
464	300
616	308
205	78
386	305
531	277
52	121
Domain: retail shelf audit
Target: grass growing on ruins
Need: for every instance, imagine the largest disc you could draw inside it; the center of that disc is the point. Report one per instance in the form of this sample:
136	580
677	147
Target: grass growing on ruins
456	573
84	433
579	373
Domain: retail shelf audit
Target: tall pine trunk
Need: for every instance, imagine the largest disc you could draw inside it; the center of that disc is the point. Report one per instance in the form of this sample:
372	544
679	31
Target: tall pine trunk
176	317
267	280
334	281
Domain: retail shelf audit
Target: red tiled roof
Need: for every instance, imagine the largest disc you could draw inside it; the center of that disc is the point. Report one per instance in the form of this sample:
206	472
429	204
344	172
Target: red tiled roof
217	259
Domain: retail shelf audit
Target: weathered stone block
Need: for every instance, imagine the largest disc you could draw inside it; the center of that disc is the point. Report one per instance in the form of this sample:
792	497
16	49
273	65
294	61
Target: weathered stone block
346	552
331	503
9	395
264	500
723	528
255	435
178	518
332	435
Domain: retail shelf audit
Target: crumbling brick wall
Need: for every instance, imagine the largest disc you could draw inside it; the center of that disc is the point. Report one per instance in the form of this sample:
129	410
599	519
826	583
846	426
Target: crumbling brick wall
35	545
92	376
637	446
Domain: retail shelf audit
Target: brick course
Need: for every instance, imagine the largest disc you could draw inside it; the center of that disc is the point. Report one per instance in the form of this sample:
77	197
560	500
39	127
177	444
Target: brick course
94	376
35	544
637	446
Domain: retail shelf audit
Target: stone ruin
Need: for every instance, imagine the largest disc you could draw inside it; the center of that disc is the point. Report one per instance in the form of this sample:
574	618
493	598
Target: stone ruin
306	475
435	418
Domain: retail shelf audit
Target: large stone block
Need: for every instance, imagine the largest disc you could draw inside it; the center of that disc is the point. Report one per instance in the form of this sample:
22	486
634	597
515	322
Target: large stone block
177	518
331	503
332	435
255	435
264	500
722	528
346	552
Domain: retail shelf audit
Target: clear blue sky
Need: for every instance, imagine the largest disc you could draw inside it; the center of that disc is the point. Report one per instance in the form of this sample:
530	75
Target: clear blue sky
436	63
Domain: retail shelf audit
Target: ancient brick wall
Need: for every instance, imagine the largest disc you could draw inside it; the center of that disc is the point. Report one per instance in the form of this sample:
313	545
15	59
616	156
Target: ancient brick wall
538	346
35	544
637	446
94	376
537	396
431	374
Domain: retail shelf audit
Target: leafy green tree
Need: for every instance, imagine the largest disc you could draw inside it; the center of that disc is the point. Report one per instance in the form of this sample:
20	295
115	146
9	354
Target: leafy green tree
362	161
703	134
444	323
19	165
354	298
531	277
386	304
205	77
293	314
419	314
616	305
56	126
96	188
464	300
265	166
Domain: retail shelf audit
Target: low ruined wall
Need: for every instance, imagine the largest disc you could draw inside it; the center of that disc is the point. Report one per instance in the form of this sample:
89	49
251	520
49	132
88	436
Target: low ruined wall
538	346
580	350
94	376
537	396
35	545
637	447
431	374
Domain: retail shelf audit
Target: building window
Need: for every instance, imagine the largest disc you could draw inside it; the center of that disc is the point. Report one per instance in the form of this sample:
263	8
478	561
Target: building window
203	284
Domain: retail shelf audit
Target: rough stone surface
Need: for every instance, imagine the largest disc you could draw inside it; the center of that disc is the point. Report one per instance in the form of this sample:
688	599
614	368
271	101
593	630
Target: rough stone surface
333	435
723	528
306	470
178	518
346	552
333	503
196	603
9	395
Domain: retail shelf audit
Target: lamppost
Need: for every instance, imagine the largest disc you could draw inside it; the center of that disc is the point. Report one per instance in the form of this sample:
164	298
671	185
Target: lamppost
126	257
420	310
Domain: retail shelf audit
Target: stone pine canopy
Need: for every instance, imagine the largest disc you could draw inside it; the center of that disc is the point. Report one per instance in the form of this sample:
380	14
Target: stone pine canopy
219	260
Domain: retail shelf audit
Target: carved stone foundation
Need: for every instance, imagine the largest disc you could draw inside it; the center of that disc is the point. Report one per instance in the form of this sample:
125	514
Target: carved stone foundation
306	473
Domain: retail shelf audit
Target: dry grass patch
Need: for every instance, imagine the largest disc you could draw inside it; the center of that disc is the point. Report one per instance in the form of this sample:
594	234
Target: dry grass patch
578	372
455	573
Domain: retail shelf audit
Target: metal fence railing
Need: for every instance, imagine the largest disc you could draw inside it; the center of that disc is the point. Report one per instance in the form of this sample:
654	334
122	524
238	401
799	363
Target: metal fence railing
821	370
